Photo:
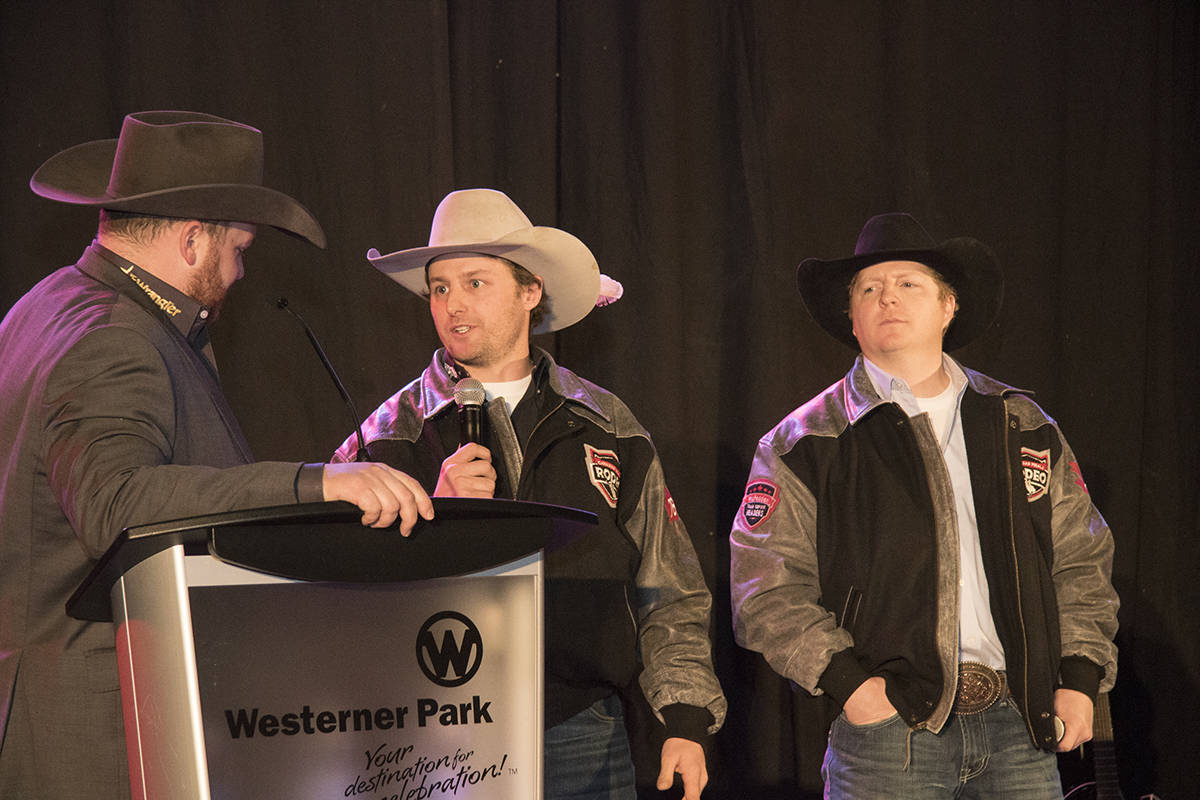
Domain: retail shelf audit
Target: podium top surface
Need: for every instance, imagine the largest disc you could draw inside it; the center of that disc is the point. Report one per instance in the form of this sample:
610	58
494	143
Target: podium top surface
327	542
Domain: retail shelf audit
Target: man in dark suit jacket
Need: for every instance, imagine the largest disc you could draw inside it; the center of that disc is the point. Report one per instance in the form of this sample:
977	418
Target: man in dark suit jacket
111	414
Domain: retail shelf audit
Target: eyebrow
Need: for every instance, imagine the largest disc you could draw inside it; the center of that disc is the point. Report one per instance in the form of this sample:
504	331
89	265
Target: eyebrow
466	275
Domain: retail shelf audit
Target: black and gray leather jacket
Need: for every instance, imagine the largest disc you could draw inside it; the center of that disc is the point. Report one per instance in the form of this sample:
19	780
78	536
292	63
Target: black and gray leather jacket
628	599
844	554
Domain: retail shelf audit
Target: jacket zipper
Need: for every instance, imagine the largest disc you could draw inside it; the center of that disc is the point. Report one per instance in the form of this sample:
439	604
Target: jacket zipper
525	460
1012	540
629	608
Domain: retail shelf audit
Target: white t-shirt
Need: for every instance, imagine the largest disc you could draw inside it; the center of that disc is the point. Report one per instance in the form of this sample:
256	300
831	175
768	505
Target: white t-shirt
511	391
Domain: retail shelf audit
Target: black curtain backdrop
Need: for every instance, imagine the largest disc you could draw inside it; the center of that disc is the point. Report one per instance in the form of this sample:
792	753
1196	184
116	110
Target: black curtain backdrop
702	149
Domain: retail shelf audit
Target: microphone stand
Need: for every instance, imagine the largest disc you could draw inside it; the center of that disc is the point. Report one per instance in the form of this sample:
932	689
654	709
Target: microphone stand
361	455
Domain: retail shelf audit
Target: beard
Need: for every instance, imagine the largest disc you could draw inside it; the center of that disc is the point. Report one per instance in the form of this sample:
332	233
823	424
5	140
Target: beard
206	286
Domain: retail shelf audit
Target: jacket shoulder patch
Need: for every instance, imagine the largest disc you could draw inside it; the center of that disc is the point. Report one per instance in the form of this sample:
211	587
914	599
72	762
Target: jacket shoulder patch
759	501
669	504
604	471
1035	469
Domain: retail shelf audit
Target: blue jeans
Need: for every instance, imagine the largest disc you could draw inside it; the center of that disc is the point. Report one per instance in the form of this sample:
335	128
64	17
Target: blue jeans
587	757
985	755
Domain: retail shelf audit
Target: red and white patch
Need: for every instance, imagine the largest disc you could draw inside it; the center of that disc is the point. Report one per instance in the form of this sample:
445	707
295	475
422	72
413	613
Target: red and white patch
758	503
604	471
672	511
1035	468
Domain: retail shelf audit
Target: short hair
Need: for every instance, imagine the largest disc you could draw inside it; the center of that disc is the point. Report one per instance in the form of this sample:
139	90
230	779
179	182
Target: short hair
945	289
524	278
142	229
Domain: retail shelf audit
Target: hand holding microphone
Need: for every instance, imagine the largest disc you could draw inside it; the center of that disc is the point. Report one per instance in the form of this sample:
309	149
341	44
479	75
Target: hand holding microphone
468	472
469	396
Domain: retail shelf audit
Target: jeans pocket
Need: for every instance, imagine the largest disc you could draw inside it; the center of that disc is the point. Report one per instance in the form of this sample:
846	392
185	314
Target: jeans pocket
607	709
870	726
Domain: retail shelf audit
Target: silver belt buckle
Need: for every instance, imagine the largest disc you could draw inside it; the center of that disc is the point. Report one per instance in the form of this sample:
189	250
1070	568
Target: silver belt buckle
979	687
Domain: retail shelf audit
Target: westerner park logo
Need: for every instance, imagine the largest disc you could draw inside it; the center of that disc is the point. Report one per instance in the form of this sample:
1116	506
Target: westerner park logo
449	648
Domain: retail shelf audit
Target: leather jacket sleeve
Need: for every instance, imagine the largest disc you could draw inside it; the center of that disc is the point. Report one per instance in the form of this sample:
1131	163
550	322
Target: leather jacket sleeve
1082	573
673	606
774	578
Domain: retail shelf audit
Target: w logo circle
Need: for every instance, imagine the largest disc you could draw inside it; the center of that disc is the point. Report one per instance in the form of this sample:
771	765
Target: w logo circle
449	648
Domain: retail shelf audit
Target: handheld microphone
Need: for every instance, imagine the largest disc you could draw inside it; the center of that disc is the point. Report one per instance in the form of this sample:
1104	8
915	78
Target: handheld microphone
361	455
469	395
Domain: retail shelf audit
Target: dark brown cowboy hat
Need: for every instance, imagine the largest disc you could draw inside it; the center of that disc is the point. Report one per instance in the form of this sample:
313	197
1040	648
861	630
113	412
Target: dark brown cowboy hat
967	265
176	164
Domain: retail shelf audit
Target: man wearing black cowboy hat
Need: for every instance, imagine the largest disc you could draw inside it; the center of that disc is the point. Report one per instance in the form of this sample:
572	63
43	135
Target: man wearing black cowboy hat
628	600
111	414
917	542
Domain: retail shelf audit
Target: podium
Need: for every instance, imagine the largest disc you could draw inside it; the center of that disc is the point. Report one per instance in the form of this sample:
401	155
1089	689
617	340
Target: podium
290	652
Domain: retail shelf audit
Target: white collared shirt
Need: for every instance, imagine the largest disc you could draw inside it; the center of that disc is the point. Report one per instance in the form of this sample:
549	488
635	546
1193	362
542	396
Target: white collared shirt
977	636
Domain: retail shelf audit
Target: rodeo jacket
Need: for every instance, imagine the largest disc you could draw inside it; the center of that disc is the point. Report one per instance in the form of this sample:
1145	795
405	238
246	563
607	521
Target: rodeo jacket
844	554
630	586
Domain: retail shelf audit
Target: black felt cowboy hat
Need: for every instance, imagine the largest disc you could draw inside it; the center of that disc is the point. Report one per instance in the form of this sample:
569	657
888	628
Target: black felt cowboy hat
968	265
176	164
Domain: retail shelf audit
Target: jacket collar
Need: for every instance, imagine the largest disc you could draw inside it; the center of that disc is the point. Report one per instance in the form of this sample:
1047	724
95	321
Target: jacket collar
860	397
146	289
438	390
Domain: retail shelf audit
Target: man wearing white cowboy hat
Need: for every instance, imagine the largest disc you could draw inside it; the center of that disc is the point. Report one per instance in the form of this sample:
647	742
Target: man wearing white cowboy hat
628	600
111	414
917	542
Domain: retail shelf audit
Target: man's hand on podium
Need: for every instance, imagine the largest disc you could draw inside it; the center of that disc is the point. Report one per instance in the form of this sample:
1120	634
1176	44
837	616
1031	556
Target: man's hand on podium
381	492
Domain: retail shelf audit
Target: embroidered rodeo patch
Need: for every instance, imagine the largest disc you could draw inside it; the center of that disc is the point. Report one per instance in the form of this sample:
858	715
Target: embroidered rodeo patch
1035	467
604	471
760	500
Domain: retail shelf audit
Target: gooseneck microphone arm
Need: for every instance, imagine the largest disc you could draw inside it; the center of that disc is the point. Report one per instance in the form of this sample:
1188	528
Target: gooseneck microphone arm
361	455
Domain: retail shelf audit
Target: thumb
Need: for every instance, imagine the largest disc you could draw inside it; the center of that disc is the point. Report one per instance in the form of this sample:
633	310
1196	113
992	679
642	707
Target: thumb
666	777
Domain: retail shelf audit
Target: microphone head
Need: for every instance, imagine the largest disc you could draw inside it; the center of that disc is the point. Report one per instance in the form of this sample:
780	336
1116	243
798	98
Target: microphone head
469	392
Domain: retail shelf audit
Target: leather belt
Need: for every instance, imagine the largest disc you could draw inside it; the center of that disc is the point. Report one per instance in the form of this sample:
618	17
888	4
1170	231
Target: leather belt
979	687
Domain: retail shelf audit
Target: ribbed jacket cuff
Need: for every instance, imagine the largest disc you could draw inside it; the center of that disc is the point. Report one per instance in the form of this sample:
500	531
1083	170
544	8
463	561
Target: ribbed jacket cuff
842	676
687	722
1076	672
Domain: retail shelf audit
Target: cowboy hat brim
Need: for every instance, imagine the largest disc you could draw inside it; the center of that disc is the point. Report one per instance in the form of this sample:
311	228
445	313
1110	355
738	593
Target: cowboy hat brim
967	264
569	272
80	176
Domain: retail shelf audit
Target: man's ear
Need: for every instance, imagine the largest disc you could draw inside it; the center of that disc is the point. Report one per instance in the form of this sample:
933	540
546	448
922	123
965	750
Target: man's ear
532	293
189	241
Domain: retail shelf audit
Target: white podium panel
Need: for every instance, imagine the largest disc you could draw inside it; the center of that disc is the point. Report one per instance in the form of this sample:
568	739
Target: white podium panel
426	689
288	652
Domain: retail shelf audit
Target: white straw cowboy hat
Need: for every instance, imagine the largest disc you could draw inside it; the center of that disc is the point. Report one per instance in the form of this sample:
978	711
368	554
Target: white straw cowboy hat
487	222
176	164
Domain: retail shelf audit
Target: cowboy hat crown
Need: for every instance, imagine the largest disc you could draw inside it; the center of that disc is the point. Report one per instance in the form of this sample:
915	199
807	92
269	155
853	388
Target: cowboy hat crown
176	164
